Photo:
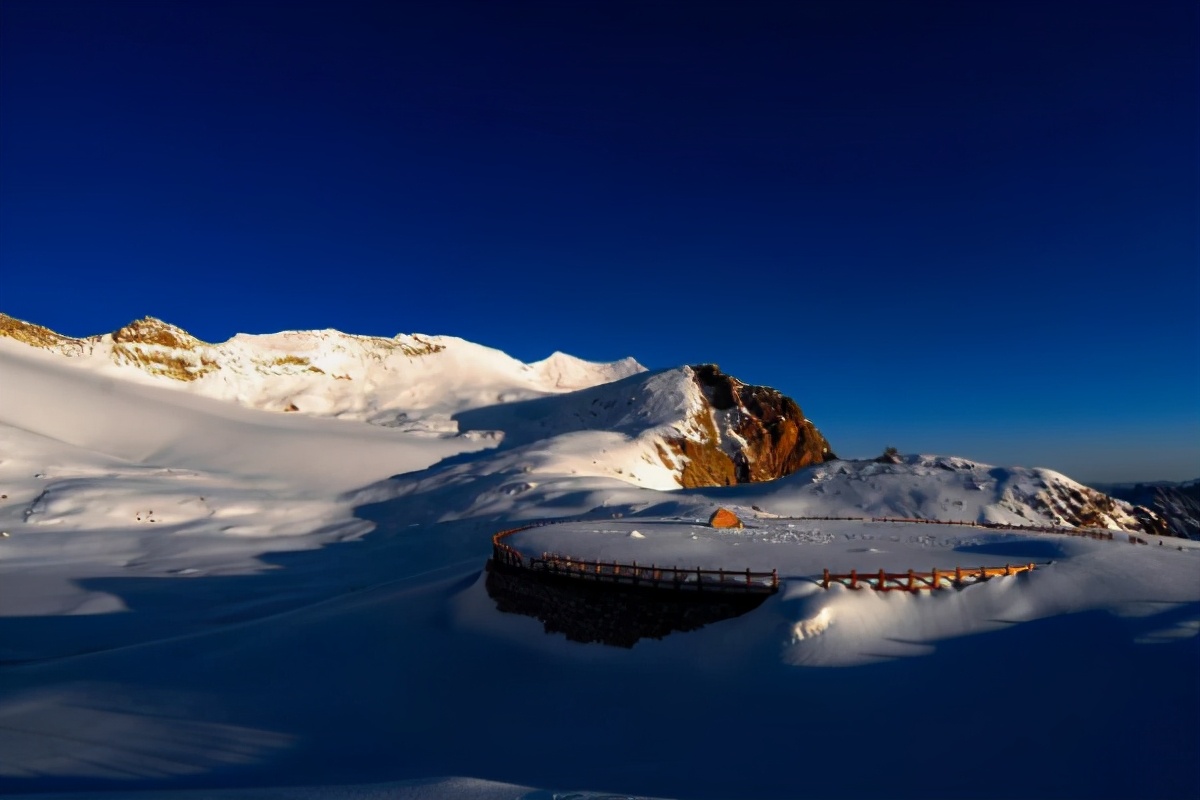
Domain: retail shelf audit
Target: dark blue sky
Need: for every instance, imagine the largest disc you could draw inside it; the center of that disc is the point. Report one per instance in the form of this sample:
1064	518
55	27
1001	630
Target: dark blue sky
966	228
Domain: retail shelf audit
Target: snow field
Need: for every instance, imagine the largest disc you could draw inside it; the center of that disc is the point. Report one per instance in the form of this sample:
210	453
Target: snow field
307	609
1074	575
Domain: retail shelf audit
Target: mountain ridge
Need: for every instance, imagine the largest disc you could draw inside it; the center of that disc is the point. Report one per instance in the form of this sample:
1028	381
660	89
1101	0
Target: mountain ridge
1176	502
557	421
669	430
322	372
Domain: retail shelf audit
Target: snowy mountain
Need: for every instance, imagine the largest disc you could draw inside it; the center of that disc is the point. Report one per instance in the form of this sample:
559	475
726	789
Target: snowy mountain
199	591
689	427
559	420
530	481
950	488
412	382
1177	503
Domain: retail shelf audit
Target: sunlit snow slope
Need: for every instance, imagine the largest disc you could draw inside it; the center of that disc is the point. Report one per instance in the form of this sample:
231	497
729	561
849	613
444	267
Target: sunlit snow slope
413	382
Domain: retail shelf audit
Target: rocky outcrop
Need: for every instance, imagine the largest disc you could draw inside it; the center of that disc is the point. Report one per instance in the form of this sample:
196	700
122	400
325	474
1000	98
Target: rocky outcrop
890	456
153	346
747	434
149	330
38	336
724	518
1065	502
159	348
1177	505
1082	507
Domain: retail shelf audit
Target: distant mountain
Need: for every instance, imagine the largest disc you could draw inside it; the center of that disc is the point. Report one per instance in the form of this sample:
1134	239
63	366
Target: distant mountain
413	382
530	434
690	426
1177	503
950	488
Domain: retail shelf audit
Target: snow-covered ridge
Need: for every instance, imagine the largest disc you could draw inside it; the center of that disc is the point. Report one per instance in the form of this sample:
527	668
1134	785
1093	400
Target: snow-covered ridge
661	430
412	381
951	489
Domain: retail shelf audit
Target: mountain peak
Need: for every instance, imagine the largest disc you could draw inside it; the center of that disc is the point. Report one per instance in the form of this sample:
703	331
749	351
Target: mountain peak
411	381
568	372
151	330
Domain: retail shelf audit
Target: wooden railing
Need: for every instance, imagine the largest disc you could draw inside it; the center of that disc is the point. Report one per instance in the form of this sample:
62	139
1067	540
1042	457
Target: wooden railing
655	576
634	574
1091	533
916	581
698	579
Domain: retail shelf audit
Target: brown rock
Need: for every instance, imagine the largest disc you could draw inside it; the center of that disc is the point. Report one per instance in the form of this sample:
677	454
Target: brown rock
778	439
724	518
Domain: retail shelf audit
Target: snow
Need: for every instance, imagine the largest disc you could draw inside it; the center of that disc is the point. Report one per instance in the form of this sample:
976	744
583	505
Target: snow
1074	575
201	596
566	372
414	382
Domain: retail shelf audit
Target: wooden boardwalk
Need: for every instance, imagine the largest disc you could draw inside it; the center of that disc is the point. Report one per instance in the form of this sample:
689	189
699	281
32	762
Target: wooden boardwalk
911	581
676	578
651	576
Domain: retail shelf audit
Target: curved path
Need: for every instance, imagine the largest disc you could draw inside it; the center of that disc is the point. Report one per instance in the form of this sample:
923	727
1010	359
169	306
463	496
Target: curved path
506	555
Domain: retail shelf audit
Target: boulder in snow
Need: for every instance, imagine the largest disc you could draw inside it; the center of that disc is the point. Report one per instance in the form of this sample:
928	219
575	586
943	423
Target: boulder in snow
724	518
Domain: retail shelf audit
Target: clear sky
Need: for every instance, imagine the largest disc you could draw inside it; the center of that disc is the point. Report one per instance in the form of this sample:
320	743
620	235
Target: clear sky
954	227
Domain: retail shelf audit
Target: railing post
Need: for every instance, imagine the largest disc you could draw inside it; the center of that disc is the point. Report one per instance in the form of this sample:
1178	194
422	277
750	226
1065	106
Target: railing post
747	577
853	579
775	579
882	580
936	578
912	581
825	579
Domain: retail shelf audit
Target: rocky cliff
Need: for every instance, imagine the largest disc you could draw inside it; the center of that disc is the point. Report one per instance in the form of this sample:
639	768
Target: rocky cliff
746	434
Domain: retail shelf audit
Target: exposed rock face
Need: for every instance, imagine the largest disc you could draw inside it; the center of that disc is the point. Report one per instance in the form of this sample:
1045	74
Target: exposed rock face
38	336
1082	507
748	434
160	348
149	330
149	344
1178	505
